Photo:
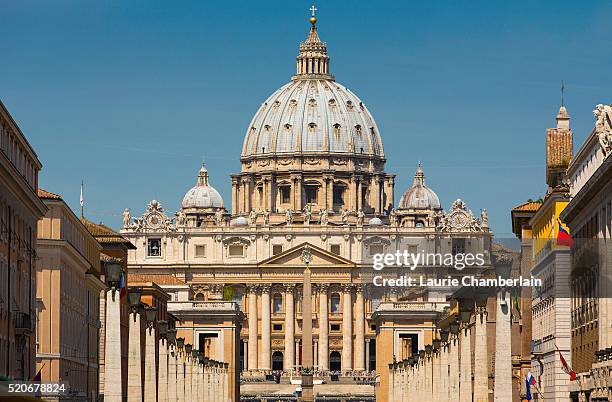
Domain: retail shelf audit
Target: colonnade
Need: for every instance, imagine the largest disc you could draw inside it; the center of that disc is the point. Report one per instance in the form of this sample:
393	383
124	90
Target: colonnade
448	370
260	299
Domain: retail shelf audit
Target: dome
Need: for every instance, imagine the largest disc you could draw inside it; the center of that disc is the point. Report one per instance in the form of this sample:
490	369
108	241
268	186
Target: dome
202	195
419	196
312	114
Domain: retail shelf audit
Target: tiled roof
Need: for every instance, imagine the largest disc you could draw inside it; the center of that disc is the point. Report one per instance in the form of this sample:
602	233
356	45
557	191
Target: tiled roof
47	194
159	279
104	234
528	206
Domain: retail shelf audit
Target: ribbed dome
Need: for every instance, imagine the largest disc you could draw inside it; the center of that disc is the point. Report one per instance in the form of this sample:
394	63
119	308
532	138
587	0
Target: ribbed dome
202	195
312	114
419	196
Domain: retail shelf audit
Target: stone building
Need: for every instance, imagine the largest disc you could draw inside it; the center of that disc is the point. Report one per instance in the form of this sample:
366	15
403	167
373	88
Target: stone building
589	218
312	175
20	209
68	297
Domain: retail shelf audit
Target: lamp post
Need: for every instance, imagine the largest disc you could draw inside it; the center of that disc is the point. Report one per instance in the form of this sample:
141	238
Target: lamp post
150	387
134	347
112	335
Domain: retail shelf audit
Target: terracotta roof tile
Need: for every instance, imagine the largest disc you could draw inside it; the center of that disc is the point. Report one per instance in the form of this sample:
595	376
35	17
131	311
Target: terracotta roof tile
47	194
108	258
104	234
528	206
159	279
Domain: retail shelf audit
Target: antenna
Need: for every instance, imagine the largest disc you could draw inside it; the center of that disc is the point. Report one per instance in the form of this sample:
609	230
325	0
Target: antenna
562	93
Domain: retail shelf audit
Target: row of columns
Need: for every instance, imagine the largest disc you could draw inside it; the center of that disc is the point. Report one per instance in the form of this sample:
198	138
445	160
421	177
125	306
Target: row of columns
378	191
443	371
291	348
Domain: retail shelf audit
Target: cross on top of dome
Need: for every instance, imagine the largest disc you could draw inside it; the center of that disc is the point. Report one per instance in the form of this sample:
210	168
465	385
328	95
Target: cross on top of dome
313	61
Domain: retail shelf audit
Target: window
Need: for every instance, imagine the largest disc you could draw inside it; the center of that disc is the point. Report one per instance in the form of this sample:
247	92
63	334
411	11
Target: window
335	249
375	249
154	247
338	196
236	250
277	249
335	303
311	194
335	327
200	250
412	249
199	297
285	194
277	327
277	303
458	246
373	327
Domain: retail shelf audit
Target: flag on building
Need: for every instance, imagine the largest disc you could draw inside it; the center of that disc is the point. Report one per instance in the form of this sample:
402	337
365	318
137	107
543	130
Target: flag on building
563	236
122	286
568	370
529	381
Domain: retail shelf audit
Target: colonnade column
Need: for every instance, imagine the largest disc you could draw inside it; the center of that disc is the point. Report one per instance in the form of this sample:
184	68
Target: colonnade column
367	354
503	355
172	380
481	375
454	364
266	356
359	330
436	374
188	374
150	380
444	384
180	375
347	328
162	372
289	327
112	347
465	386
134	358
323	327
252	318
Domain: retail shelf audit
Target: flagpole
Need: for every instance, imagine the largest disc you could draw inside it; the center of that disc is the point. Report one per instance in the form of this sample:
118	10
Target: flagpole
81	199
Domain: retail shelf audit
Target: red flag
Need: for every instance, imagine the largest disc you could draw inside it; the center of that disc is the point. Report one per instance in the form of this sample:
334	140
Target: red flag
563	236
38	376
568	370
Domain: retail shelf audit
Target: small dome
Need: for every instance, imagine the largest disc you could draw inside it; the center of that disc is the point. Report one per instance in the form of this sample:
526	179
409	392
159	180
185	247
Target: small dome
239	221
202	195
419	196
375	222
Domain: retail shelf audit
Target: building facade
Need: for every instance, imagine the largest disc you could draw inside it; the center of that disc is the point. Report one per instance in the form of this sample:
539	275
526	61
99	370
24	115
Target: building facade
68	297
312	175
20	209
589	217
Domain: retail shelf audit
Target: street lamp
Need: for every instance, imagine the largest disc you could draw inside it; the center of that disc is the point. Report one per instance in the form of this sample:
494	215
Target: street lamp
454	327
112	275
150	314
188	348
444	335
162	328
180	342
134	295
436	343
172	336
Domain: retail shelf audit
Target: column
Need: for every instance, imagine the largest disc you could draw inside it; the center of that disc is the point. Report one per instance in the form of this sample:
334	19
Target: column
375	193
503	356
443	388
206	380
134	359
112	348
252	316
359	195
234	195
436	374
162	372
360	329
297	352
323	327
289	328
454	369
266	356
172	380
150	383
200	382
315	353
188	393
347	328
481	375
367	355
180	376
245	354
465	386
225	392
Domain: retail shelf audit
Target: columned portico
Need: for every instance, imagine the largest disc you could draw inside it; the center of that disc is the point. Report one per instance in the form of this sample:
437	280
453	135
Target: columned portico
289	328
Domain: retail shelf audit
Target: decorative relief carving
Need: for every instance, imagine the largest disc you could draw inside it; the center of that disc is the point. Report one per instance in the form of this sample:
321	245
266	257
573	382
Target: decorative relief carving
603	127
153	219
458	219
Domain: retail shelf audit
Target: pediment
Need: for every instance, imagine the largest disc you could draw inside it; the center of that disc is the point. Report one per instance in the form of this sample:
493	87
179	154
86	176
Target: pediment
293	257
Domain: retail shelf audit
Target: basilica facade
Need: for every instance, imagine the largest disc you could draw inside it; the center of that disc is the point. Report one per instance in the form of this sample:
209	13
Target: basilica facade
312	175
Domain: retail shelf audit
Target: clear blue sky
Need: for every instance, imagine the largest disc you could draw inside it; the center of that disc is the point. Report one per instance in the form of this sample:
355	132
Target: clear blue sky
130	95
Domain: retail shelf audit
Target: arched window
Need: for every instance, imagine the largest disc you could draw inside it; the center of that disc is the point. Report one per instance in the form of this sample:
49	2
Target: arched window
335	303
277	303
199	297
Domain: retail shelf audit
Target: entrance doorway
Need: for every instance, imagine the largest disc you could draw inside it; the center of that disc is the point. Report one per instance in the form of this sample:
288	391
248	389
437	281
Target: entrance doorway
335	361
277	361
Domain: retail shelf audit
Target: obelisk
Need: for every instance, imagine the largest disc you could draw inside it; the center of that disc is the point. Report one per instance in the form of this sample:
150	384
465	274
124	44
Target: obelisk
307	367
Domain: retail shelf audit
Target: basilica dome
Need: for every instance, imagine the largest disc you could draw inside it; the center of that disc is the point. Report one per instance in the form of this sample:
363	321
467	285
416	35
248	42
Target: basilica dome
312	114
202	195
419	196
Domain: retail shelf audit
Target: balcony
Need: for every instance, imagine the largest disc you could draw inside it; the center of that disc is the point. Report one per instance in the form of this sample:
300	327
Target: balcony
23	324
